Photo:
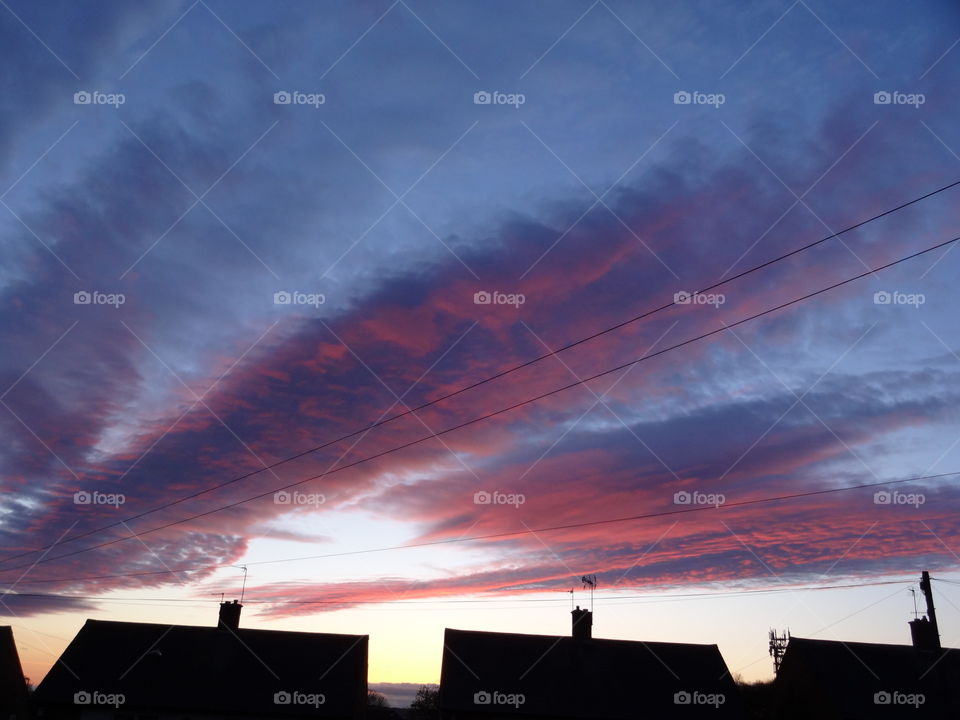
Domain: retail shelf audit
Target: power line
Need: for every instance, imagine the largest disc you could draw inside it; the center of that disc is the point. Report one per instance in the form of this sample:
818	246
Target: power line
432	435
482	381
347	601
497	536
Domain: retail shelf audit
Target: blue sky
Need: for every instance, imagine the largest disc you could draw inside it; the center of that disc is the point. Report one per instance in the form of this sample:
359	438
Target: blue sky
588	187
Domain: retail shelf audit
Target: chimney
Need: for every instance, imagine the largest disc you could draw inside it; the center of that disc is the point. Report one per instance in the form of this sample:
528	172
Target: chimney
924	631
582	624
230	615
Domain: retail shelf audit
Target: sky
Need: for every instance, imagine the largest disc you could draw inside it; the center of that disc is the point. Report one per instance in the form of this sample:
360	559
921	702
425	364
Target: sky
237	233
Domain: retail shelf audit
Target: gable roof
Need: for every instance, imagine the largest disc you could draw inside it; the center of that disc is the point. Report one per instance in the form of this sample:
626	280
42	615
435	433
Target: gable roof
214	669
847	675
564	677
13	686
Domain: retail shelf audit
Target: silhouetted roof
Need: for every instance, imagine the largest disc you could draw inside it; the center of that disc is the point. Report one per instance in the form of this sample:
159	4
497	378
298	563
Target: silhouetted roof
843	678
211	669
561	677
13	687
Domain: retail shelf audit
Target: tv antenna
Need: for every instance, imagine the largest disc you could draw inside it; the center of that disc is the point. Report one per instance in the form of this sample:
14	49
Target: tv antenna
916	613
590	581
243	588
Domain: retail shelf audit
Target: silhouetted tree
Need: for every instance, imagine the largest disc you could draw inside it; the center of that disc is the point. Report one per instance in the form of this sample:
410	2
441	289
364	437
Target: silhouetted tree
377	706
426	706
757	698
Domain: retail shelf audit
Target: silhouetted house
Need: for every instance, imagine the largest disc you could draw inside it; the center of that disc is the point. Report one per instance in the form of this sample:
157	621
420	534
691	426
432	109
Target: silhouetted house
13	686
490	675
837	680
851	680
146	671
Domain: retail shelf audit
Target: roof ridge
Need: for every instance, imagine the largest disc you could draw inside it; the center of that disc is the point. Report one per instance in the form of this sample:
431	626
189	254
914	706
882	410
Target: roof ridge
591	640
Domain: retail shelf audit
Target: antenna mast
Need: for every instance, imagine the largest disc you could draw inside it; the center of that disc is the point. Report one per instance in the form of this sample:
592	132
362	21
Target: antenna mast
778	646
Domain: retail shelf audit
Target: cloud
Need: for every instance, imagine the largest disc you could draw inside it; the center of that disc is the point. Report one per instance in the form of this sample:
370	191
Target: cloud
54	61
399	695
114	406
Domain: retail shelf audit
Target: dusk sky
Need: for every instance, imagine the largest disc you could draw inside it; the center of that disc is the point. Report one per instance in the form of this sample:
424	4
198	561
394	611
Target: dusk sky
233	232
